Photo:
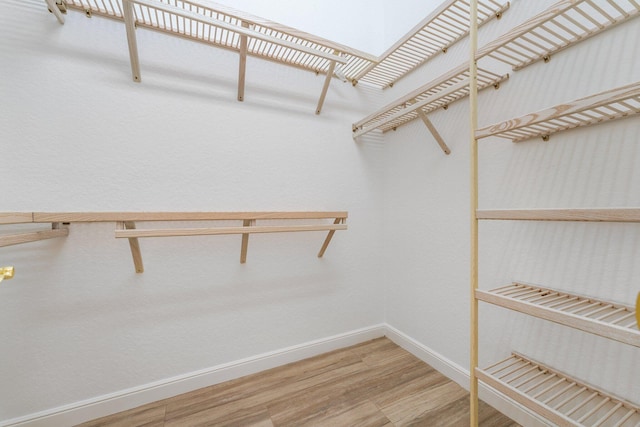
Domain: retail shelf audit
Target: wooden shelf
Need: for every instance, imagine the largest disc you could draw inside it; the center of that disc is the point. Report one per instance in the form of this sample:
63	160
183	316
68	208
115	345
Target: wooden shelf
607	319
558	397
436	94
609	105
126	226
591	215
223	27
560	26
432	36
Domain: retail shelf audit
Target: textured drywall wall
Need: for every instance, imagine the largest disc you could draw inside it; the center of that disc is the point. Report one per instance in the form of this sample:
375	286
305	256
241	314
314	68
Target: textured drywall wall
427	210
77	134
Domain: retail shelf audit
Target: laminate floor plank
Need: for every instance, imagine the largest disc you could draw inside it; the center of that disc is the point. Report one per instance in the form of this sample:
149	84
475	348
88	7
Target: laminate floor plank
373	384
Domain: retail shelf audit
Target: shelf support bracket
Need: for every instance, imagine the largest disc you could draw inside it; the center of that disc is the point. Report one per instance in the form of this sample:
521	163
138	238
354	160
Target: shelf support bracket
434	132
327	240
245	240
242	63
134	244
130	25
327	81
53	8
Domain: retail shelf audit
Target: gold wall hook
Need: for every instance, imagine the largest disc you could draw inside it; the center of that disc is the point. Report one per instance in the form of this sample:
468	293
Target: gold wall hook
6	273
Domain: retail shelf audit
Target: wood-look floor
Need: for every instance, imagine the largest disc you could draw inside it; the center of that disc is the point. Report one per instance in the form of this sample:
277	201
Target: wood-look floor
375	383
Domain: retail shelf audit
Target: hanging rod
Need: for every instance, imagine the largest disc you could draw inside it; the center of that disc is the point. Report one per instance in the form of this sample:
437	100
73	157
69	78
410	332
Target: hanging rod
126	225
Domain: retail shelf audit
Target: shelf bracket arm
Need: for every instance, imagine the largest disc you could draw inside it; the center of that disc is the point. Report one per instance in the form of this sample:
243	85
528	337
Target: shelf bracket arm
245	240
434	132
327	81
130	25
134	244
242	63
53	8
327	240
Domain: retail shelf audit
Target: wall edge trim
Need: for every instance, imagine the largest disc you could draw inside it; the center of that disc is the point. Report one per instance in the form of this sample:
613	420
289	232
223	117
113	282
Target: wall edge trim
123	400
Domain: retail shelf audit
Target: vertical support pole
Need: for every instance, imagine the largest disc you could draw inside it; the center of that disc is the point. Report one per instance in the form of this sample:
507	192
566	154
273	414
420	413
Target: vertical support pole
434	132
473	124
245	240
130	25
133	244
327	240
242	64
53	8
327	81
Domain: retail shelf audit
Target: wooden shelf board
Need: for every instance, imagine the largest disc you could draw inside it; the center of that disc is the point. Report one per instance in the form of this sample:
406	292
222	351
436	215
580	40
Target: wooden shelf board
430	37
608	105
560	26
595	215
559	398
603	318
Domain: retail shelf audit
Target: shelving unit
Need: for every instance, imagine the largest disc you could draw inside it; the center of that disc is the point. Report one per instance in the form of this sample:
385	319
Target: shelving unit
553	395
432	36
563	400
607	319
562	25
609	105
126	225
438	93
223	27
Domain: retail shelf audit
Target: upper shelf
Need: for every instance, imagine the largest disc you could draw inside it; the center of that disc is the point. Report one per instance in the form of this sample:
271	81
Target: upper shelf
435	94
558	27
433	35
609	105
221	26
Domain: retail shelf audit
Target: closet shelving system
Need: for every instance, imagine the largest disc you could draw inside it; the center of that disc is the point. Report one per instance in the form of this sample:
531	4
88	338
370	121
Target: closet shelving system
559	27
126	226
220	26
552	394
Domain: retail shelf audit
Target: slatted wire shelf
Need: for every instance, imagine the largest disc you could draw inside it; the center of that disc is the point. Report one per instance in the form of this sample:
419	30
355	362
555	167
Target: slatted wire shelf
433	35
158	19
607	319
439	93
559	398
560	26
609	105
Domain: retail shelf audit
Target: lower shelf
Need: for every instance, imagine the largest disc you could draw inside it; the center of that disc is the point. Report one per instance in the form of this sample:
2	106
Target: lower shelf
557	397
611	320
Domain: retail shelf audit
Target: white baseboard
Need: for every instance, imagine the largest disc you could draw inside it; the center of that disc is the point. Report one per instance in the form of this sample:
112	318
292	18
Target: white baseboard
127	399
458	374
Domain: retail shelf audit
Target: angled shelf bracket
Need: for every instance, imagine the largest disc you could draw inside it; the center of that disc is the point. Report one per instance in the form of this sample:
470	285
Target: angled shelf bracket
434	131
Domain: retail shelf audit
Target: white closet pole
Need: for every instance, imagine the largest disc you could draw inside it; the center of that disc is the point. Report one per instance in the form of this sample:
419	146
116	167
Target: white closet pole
473	123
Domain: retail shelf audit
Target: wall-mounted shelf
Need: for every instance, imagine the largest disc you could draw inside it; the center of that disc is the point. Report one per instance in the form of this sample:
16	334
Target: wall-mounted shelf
436	94
609	105
560	26
607	319
433	35
559	398
588	214
57	229
126	225
223	27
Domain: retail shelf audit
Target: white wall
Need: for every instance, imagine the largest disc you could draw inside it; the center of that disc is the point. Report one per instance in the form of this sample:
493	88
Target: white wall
78	135
427	211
